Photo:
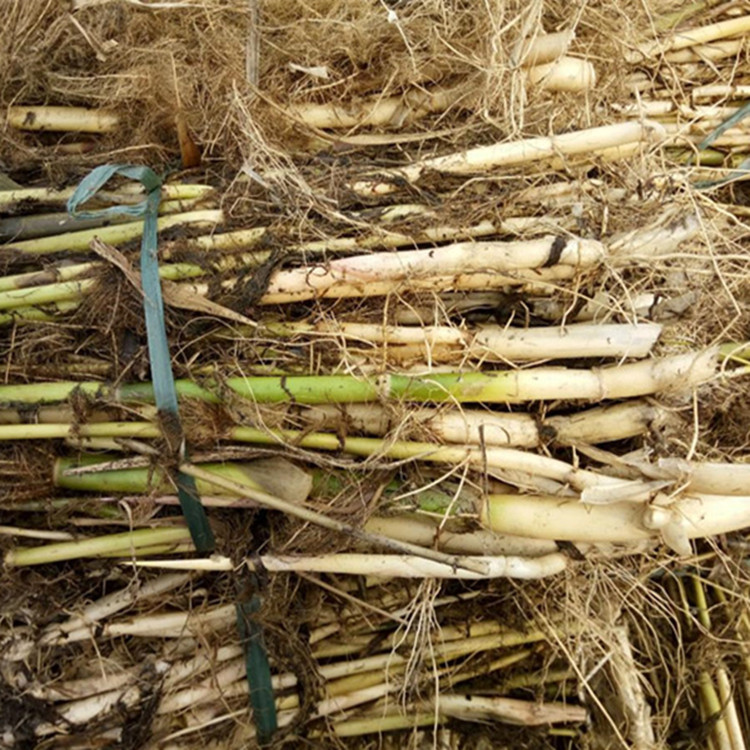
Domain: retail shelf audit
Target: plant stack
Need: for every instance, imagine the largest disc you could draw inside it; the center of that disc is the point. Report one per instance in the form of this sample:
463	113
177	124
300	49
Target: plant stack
460	340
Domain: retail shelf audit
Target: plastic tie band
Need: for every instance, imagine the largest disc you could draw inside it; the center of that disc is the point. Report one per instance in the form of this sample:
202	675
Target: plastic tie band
165	395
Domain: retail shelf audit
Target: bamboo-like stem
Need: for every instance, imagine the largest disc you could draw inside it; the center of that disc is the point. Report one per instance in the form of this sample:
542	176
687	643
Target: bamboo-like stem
484	634
385	566
720	91
133	480
188	669
711	52
714	711
535	679
341	676
380	273
117	234
356	688
673	113
509	710
542	48
50	278
85	687
84	711
65	291
667	374
570	74
553	74
731	715
47	276
743	634
44	225
240	239
63	119
511	154
720	706
600	156
600	308
50	431
416	529
464	707
124	545
707	157
694	515
458	266
34	533
497	343
708	477
696	132
454	642
380	723
607	423
598	425
24	315
712	478
102	506
689	38
172	624
171	548
258	475
426	532
664	236
519	225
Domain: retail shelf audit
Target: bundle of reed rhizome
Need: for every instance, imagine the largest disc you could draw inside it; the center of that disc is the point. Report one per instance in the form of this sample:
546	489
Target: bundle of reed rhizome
457	301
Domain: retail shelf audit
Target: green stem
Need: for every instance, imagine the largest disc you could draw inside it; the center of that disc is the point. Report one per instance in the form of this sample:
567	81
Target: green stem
48	276
36	314
708	157
115	235
66	291
143	480
734	352
504	387
116	544
21	293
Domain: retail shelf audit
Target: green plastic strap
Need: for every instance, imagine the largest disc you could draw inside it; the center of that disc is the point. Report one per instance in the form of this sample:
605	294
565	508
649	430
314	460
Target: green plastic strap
742	169
165	393
165	396
258	669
